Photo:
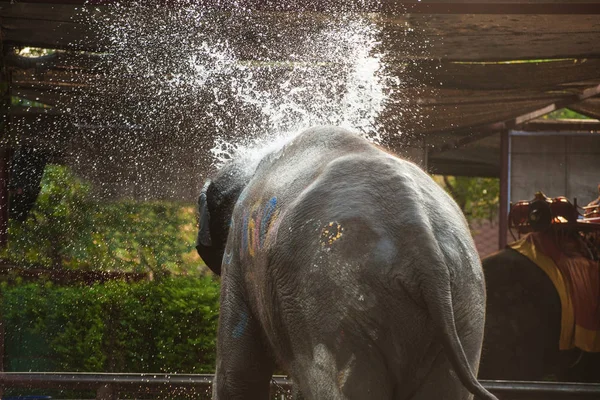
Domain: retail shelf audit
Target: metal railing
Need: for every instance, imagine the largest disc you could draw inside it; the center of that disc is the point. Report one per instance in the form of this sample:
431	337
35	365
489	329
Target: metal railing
109	386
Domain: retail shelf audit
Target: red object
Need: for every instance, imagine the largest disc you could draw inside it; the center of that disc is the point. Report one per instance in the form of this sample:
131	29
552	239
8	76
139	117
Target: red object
543	213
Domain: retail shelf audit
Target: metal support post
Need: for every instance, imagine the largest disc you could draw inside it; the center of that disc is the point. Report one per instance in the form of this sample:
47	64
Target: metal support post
504	187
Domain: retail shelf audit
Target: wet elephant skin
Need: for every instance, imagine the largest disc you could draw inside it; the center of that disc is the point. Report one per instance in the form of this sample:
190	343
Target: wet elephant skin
346	266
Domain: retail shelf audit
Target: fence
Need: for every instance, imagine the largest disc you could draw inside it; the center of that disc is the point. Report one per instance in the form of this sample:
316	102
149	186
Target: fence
109	386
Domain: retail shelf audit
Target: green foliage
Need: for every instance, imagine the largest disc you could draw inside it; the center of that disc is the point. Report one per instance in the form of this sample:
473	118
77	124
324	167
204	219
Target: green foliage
55	232
154	326
19	102
69	229
34	52
146	235
564	113
478	198
164	325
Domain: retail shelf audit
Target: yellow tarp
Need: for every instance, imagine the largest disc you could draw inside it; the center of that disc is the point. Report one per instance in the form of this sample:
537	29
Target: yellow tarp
577	281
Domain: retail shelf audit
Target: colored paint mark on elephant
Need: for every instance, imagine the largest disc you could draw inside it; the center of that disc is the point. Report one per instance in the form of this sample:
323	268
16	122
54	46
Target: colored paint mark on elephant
268	213
331	233
258	222
252	231
241	326
244	244
227	257
251	234
271	235
342	376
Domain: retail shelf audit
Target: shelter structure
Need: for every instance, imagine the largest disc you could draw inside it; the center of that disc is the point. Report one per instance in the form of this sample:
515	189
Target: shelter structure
485	68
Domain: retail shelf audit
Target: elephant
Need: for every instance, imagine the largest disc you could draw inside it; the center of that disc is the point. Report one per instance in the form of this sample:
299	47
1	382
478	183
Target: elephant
522	326
346	267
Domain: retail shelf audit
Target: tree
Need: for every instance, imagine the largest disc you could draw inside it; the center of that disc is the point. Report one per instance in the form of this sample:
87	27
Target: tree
68	228
564	113
478	198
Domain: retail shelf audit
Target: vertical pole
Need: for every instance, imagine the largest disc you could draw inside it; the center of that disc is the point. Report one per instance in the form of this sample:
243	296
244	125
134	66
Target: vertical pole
1	341
567	147
504	187
4	105
3	192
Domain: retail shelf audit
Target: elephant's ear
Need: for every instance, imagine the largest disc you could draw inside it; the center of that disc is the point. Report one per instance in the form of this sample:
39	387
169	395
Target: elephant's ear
204	237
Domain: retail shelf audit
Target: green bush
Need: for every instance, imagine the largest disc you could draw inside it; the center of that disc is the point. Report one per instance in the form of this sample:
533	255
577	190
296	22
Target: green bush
68	228
152	326
52	235
478	198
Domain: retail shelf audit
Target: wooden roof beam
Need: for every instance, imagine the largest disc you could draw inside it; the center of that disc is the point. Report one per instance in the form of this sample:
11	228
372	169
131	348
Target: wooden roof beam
490	129
502	75
489	37
390	6
589	107
569	125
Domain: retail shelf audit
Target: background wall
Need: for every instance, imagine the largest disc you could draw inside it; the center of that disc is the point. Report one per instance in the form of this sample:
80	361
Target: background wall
557	164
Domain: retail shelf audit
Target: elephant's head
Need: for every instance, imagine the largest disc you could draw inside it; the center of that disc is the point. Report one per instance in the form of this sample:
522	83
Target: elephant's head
216	203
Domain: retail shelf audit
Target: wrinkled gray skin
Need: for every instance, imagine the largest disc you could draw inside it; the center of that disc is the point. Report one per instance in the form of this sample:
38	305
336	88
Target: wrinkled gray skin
364	283
522	328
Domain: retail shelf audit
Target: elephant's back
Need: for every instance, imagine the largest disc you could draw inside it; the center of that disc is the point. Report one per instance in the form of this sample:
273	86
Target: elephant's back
290	170
388	203
379	216
359	235
357	231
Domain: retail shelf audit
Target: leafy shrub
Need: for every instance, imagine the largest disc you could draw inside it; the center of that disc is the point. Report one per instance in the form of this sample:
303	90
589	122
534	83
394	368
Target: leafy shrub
69	229
52	233
151	326
478	198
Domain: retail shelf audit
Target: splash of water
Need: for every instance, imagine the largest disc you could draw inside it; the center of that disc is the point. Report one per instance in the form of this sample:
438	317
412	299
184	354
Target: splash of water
242	79
341	86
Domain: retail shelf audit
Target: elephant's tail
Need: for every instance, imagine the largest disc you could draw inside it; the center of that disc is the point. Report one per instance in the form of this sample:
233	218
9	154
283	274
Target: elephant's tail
439	304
